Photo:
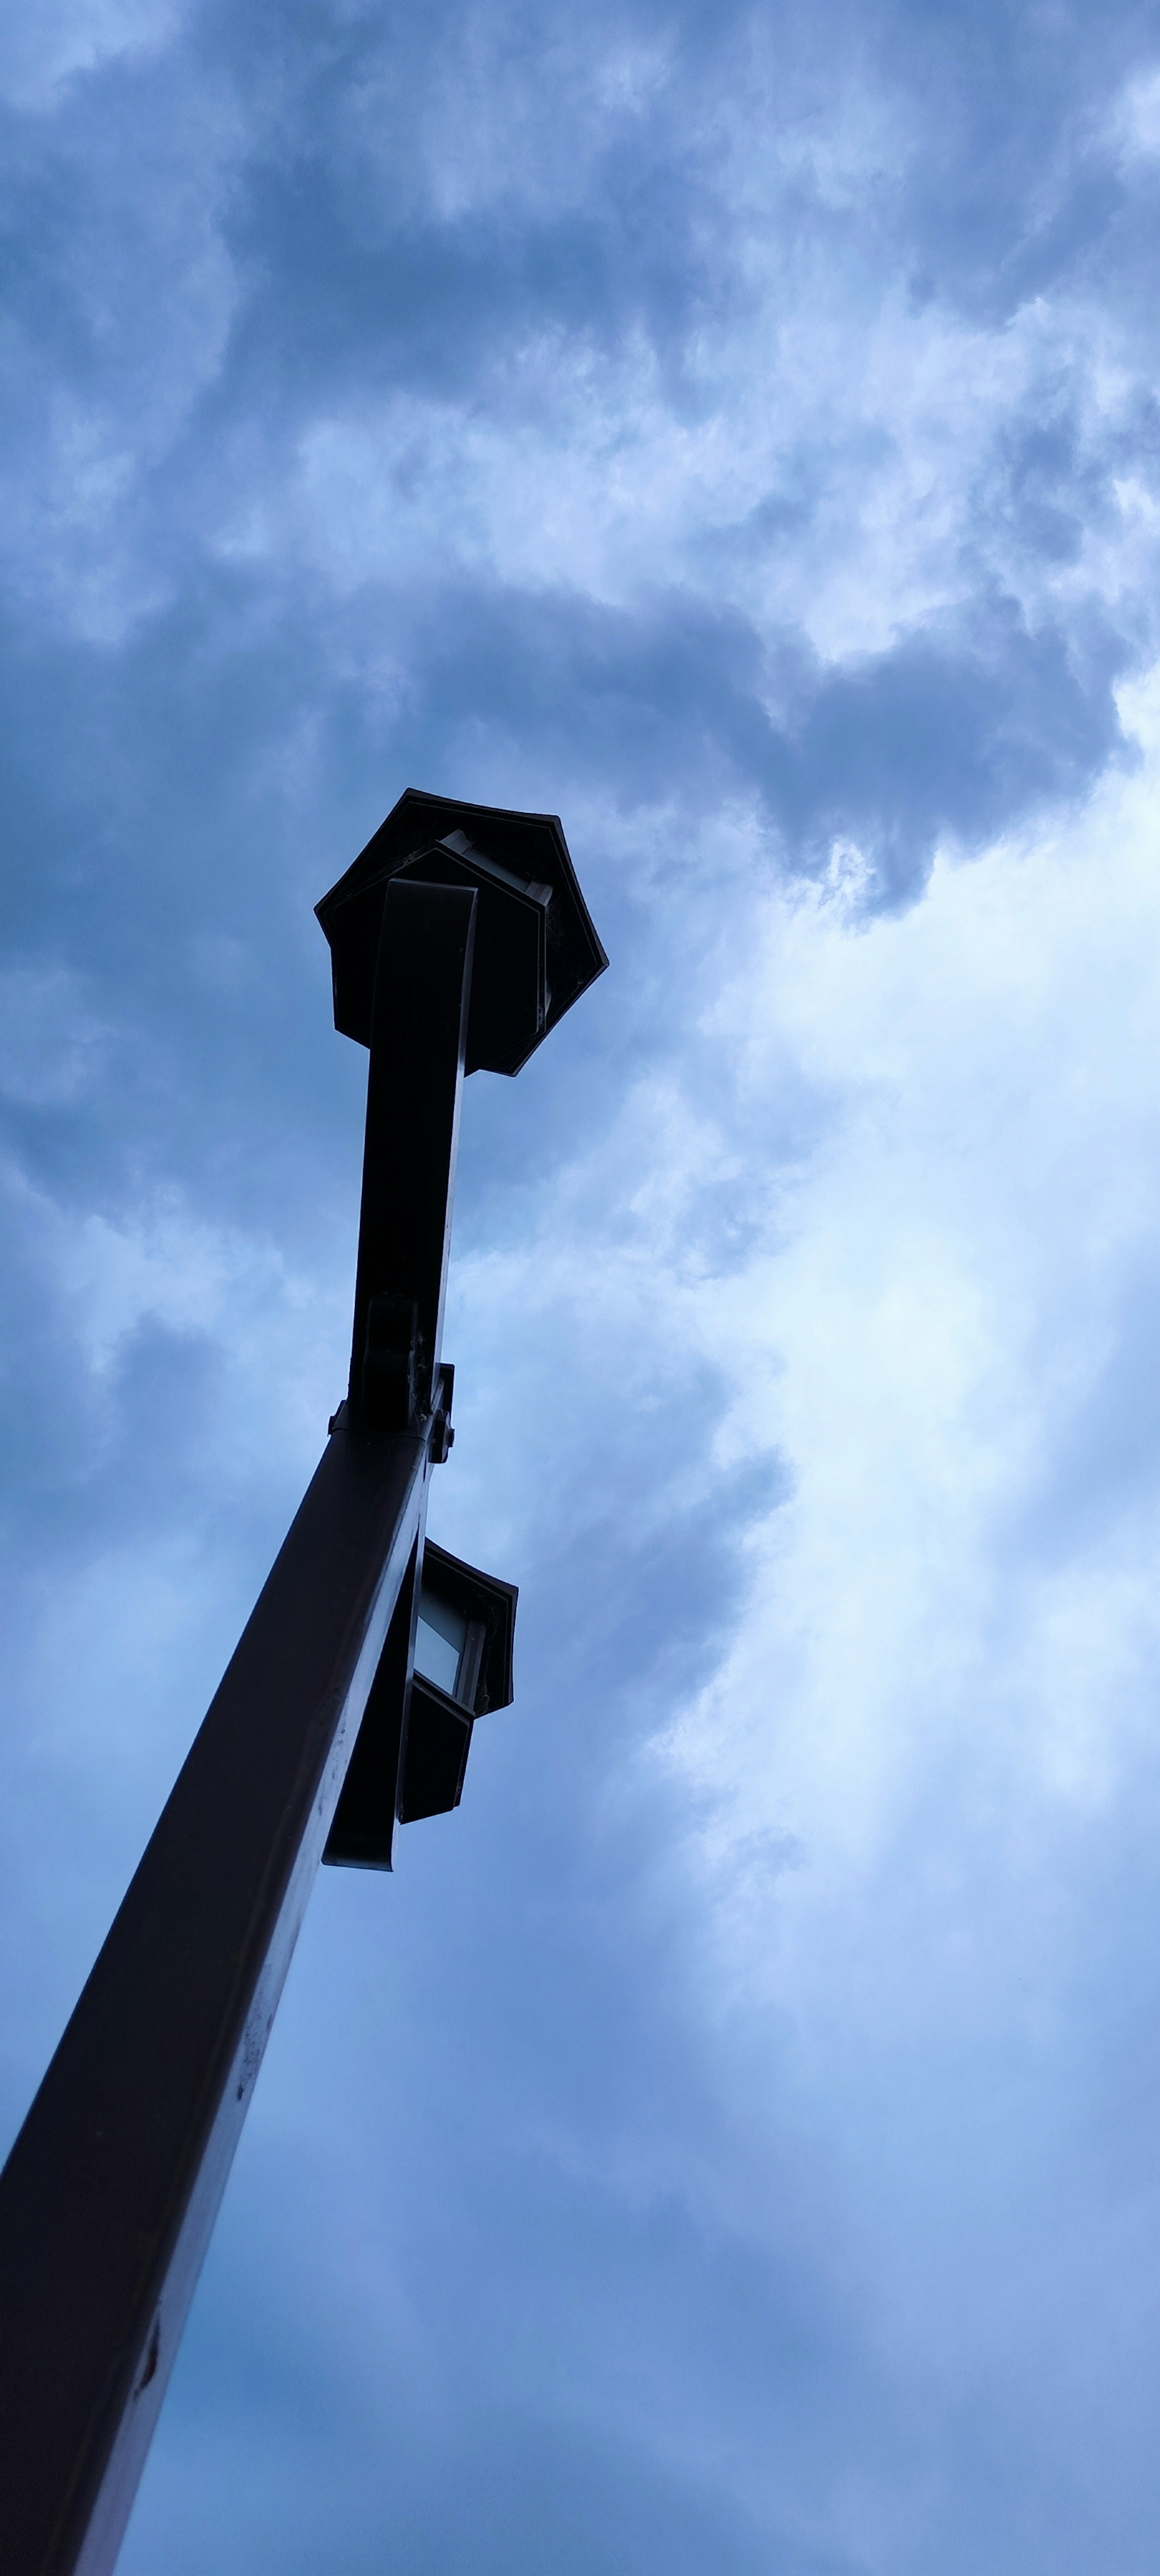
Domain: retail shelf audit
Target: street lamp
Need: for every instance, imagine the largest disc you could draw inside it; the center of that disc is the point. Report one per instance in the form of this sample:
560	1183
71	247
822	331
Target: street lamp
458	938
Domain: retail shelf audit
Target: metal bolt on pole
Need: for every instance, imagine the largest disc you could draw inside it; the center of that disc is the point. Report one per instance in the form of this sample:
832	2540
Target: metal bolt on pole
458	938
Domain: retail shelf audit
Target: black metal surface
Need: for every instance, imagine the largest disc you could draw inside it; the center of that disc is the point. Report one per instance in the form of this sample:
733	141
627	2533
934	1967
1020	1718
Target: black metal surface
109	2196
363	1832
510	993
528	890
509	998
488	1598
422	989
407	1709
438	1743
110	2193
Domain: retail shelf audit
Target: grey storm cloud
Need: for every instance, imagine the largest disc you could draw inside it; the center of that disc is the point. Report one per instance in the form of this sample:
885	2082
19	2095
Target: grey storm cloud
725	2148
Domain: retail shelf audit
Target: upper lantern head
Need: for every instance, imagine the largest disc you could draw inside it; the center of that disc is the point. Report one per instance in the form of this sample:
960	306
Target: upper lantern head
536	949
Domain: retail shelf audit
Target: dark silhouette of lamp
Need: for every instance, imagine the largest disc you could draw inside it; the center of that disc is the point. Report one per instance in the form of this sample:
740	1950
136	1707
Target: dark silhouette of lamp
458	939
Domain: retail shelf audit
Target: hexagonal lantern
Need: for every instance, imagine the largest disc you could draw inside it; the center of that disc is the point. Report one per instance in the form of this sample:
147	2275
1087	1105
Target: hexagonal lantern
536	949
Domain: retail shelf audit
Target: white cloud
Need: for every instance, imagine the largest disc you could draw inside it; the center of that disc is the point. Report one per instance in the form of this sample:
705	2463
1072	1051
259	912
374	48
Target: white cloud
41	49
1135	121
940	1701
987	1195
804	440
888	1184
841	467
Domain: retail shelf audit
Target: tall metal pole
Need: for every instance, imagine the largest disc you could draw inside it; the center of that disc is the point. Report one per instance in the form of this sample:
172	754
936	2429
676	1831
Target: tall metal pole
110	2194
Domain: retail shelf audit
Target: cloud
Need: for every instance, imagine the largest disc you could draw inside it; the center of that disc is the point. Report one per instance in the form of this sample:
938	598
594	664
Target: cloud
796	2131
76	37
735	430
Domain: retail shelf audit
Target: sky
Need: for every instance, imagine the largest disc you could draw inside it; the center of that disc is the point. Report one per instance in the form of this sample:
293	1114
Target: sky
730	2144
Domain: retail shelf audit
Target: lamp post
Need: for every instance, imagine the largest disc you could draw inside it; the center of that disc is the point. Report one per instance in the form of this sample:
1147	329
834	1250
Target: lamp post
458	938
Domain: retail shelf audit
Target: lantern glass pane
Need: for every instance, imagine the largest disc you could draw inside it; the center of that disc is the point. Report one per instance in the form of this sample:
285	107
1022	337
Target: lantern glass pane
440	1636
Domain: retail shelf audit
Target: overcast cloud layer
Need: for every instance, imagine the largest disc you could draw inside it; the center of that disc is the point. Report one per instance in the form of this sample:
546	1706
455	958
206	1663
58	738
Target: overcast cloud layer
730	2145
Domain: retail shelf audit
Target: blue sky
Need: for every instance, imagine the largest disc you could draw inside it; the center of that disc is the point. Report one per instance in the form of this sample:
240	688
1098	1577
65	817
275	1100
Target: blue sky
730	2145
